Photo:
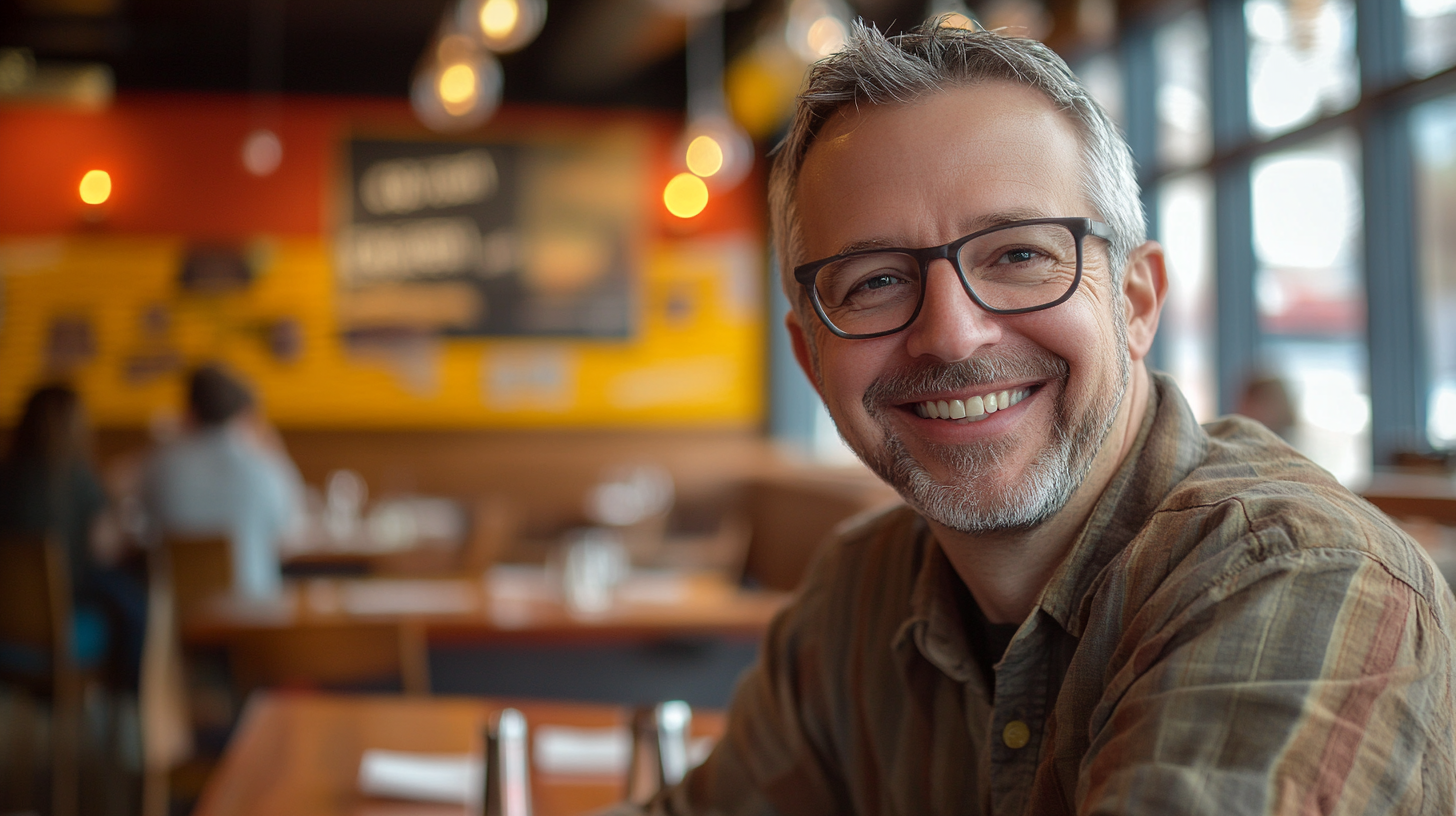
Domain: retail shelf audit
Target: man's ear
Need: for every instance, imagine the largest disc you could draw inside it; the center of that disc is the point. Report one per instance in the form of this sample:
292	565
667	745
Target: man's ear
1144	286
801	349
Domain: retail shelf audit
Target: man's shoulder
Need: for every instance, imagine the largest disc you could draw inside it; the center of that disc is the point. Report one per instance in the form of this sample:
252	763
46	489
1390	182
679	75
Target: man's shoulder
883	547
883	532
1255	499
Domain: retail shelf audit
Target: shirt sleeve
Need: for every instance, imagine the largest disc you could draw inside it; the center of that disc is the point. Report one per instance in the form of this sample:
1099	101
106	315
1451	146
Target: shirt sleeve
1315	681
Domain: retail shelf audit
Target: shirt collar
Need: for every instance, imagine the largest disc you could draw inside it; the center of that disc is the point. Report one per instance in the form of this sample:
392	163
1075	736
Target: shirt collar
935	624
1169	445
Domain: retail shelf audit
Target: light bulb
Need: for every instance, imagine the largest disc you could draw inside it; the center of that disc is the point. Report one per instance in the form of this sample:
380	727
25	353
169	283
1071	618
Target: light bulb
458	94
716	148
498	18
96	187
826	36
705	156
502	26
458	89
685	196
262	152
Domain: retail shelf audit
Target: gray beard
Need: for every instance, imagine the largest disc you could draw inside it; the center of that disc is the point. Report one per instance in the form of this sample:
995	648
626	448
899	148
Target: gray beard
968	503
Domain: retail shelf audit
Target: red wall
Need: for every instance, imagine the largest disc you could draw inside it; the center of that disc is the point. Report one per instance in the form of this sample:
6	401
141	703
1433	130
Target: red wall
176	167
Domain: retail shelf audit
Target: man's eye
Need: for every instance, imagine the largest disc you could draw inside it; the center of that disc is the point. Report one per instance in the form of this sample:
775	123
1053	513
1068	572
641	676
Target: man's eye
1016	256
880	281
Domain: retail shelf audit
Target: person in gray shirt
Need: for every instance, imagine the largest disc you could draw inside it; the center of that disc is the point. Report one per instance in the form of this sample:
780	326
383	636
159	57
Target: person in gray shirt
228	474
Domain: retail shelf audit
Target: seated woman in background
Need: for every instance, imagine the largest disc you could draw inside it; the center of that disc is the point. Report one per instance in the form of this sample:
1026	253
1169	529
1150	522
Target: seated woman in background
47	484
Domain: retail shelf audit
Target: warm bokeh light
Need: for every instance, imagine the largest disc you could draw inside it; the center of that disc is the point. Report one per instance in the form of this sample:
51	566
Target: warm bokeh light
826	36
498	18
457	86
262	152
686	195
705	156
96	187
502	26
957	20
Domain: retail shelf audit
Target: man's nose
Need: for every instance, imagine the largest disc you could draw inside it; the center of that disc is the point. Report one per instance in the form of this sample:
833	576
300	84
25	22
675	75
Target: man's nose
950	326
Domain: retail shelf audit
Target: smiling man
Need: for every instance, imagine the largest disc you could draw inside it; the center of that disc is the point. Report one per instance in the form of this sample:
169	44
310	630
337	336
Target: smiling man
1091	604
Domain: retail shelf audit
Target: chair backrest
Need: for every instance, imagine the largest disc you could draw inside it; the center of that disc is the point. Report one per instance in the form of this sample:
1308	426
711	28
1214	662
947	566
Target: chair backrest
792	515
200	568
493	524
35	597
329	656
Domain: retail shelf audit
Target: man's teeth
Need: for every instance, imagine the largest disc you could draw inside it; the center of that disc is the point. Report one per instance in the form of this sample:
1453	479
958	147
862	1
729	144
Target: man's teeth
974	408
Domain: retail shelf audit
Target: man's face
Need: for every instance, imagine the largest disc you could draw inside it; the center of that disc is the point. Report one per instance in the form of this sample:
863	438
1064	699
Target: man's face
921	175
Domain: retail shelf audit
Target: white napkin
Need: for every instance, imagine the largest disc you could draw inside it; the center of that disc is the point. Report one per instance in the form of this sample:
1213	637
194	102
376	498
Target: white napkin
596	751
450	778
564	750
402	596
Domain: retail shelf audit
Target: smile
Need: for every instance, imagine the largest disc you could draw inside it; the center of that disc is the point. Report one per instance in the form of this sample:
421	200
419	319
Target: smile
974	409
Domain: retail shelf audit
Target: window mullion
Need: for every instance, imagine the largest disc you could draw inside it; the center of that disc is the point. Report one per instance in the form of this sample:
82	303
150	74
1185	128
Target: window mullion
1397	370
1238	327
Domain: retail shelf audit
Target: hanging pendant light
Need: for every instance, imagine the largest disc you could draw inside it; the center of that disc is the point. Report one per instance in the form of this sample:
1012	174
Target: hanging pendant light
713	146
502	26
458	87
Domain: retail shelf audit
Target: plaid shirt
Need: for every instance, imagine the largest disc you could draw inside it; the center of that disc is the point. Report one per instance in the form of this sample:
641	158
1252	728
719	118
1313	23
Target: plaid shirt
1232	632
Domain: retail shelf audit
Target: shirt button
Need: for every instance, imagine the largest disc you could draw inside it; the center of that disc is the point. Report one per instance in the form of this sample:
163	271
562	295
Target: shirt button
1016	735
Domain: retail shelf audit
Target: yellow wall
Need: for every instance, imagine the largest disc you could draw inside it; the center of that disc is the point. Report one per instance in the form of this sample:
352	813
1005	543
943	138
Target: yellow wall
696	358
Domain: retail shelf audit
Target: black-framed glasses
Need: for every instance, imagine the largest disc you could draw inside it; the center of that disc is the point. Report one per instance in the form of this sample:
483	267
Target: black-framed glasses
1009	269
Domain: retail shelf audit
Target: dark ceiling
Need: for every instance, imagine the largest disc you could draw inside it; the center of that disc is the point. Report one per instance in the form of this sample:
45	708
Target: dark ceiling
594	53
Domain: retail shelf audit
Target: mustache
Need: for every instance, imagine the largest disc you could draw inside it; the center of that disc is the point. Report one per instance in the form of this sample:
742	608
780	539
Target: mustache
904	386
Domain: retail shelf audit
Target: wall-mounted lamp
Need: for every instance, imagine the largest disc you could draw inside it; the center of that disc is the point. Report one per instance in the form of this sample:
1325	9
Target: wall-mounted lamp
95	187
262	152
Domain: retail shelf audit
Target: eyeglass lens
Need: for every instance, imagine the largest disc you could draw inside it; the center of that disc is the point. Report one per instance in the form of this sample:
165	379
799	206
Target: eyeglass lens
1019	267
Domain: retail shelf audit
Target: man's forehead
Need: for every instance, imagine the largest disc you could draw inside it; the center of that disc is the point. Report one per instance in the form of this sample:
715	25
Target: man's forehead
985	102
983	154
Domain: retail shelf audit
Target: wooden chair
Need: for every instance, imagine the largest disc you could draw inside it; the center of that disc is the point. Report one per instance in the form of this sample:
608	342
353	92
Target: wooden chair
493	523
184	574
791	515
36	622
330	655
198	569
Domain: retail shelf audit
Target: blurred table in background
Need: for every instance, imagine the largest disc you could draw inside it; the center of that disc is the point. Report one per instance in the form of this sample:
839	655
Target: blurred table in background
510	604
1413	495
299	755
1424	505
681	635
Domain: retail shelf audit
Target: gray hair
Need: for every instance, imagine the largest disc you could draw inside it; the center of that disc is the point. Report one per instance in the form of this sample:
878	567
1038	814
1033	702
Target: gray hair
878	70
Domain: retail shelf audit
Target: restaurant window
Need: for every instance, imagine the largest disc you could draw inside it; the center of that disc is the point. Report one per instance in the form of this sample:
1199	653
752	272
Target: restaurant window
1433	128
1102	75
1309	294
1185	229
1430	35
1181	50
1302	62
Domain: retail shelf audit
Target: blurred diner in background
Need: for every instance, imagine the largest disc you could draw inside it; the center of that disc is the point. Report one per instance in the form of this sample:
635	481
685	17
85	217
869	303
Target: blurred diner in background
396	398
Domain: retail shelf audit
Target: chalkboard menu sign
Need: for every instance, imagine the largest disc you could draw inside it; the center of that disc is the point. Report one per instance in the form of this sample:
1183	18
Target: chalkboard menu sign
492	239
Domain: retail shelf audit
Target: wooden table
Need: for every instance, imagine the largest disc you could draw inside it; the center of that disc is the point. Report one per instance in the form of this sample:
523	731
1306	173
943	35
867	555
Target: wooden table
506	608
298	755
1410	495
